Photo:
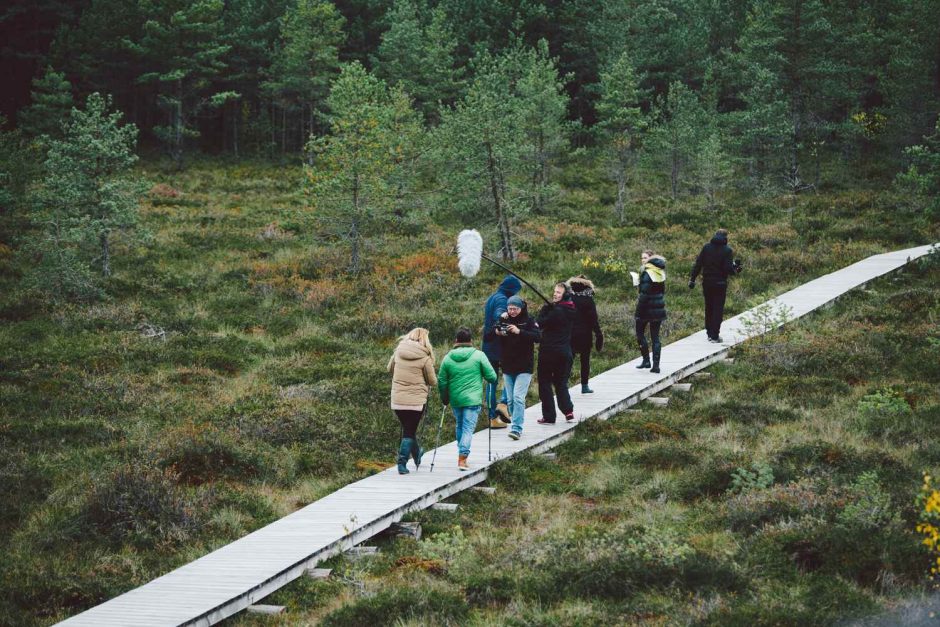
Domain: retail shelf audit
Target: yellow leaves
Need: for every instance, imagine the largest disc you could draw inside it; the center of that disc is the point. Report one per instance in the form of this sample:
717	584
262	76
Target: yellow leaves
929	504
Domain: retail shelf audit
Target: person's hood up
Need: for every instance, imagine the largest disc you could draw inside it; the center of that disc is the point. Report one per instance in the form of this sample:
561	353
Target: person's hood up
656	268
510	285
523	314
461	352
580	286
720	239
410	350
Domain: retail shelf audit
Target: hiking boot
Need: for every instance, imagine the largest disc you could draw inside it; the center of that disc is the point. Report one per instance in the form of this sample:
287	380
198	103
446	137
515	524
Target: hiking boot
719	340
514	435
585	389
496	423
462	463
655	367
646	360
502	412
416	453
404	450
545	421
569	416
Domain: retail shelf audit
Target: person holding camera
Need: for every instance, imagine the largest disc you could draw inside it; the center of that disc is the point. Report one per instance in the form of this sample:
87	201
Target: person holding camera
556	321
587	327
412	370
716	263
650	306
495	307
518	335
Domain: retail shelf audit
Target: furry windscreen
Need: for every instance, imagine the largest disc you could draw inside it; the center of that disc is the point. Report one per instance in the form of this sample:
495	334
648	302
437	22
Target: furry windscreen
469	251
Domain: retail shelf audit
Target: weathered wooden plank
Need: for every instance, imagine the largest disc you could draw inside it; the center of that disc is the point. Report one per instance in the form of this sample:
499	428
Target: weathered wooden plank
265	609
658	401
445	507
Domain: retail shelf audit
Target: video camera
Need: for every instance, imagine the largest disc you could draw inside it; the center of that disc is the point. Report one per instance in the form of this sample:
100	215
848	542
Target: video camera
737	265
502	328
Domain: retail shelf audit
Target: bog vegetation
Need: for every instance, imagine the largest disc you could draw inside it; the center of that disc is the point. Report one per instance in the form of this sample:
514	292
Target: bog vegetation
216	217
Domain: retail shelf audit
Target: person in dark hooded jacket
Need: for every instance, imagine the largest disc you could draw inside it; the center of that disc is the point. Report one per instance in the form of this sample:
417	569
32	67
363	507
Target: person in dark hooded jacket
650	306
554	370
715	263
495	307
587	327
518	345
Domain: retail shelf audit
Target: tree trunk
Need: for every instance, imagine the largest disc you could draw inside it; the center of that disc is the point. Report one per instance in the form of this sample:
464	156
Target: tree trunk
105	254
674	174
501	218
621	193
354	228
177	149
235	129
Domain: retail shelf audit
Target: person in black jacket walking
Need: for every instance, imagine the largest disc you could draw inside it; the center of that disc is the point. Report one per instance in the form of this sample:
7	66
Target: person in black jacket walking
556	321
587	328
518	335
650	306
716	263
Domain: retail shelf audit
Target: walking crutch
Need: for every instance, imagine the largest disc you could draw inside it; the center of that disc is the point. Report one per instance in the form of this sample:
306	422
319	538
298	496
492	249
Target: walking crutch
437	442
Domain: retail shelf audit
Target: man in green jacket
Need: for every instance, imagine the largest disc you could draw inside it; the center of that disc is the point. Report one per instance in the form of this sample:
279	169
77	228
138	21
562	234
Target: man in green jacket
460	382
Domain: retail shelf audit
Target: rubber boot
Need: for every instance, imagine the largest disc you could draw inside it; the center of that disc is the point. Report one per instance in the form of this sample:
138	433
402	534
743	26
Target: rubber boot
585	389
655	367
646	358
404	450
416	453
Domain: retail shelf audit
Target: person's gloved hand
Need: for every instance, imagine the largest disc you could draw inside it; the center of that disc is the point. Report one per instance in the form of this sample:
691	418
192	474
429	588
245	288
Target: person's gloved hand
691	285
599	342
445	400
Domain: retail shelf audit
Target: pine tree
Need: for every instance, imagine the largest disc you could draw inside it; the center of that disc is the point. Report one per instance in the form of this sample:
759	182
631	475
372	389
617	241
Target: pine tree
621	124
87	196
921	181
543	104
482	153
307	61
357	170
182	49
51	104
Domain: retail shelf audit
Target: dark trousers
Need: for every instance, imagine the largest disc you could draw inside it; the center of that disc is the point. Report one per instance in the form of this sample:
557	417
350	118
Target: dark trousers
715	294
585	357
654	335
554	371
409	420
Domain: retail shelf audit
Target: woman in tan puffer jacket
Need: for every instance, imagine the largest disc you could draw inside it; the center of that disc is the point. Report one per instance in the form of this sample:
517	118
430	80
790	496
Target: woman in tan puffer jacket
413	375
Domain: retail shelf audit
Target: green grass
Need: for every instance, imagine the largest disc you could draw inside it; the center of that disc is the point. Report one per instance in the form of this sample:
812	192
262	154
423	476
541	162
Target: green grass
123	455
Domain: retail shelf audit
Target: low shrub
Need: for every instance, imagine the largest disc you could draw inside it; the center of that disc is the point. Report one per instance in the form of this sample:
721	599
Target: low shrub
140	503
746	412
200	454
665	455
427	606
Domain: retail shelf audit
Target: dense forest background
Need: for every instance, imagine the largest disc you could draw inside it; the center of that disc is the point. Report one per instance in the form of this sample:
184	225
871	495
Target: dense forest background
782	84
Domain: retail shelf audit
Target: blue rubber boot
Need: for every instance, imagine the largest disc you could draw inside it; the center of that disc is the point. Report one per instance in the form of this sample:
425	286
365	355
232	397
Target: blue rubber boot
404	450
416	453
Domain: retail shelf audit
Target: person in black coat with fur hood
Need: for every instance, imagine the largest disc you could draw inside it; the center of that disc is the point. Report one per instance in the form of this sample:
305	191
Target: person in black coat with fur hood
651	306
587	328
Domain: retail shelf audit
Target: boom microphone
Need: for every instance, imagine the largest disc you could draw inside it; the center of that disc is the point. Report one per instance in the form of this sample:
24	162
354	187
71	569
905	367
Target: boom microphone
469	251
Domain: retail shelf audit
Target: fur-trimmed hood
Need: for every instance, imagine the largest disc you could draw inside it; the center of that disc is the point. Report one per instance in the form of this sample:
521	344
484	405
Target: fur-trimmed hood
580	286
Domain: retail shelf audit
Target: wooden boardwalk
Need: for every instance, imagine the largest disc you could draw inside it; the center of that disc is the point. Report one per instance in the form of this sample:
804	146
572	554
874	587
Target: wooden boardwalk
242	573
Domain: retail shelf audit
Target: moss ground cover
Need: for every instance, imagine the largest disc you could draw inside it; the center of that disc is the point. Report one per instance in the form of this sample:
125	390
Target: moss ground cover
236	373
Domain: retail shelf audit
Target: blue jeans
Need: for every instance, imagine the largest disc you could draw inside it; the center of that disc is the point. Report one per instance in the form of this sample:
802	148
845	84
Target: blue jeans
491	394
518	386
466	424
